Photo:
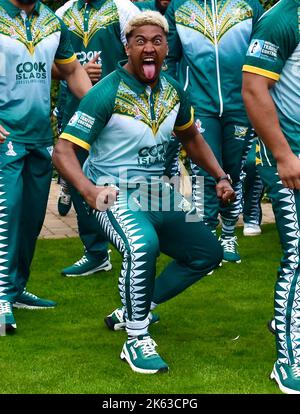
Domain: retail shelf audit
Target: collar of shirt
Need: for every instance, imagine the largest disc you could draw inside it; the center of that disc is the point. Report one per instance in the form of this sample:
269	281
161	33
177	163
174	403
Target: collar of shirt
94	3
137	86
13	10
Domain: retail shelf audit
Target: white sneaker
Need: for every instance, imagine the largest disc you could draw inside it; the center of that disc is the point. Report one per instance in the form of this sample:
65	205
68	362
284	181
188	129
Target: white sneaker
251	229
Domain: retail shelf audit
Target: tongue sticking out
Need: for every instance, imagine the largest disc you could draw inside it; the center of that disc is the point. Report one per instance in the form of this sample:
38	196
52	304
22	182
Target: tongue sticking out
149	70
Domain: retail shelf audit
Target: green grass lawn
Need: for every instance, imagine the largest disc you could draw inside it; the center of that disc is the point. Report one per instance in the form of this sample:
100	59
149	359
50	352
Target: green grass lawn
213	336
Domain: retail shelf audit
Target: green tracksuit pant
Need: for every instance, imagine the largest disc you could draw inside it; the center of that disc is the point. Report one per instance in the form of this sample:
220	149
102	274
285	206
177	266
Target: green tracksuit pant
93	239
25	177
253	189
286	207
140	236
227	136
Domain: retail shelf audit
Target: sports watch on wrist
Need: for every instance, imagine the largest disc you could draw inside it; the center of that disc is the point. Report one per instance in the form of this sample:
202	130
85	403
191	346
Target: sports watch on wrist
224	177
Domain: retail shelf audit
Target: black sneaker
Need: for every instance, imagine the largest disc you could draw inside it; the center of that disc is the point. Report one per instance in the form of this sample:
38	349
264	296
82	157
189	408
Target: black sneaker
64	202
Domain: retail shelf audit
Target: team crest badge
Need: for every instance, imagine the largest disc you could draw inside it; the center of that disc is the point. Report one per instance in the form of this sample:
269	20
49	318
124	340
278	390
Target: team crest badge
11	152
240	132
185	205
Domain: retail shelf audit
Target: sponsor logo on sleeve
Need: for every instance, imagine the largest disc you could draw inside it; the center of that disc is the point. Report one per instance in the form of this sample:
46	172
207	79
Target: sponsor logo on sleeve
82	121
263	49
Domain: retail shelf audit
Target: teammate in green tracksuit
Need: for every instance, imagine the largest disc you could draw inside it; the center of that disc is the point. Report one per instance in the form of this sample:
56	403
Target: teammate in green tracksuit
126	123
158	5
32	38
271	92
207	45
97	35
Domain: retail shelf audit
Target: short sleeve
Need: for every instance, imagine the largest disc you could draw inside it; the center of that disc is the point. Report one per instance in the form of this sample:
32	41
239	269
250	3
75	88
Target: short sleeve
257	8
92	115
272	43
185	117
65	52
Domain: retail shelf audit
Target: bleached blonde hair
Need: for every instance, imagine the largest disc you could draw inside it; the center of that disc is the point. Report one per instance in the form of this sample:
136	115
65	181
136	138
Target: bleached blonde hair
147	17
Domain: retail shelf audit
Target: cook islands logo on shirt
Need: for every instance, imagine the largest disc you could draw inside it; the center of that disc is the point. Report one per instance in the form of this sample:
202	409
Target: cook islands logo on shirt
11	152
148	156
31	72
85	57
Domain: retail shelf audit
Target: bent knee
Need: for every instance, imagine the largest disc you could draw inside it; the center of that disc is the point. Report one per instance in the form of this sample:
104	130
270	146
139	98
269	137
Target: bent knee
209	260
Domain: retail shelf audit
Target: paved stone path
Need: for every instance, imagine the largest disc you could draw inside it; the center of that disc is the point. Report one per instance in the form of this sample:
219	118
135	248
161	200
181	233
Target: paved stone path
56	227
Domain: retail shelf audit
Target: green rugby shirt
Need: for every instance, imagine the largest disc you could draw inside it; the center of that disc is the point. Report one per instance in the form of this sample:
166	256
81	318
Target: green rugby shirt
126	125
274	52
28	48
96	27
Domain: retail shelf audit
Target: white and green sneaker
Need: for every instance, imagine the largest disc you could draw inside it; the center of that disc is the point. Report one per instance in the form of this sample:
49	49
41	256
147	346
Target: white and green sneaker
287	377
27	300
7	320
251	229
230	253
87	265
140	354
116	320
